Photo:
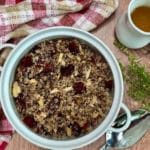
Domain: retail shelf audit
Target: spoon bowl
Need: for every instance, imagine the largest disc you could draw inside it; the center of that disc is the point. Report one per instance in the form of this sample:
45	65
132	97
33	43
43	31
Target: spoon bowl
140	123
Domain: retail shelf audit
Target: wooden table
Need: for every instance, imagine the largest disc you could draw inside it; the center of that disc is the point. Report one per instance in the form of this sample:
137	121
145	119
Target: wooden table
106	33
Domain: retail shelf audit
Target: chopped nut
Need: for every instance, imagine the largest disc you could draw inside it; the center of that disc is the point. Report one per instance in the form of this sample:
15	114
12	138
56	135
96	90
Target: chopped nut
88	83
67	89
68	131
95	115
88	73
41	116
94	100
37	96
80	48
55	90
76	72
60	57
63	63
41	102
33	81
78	58
16	89
78	101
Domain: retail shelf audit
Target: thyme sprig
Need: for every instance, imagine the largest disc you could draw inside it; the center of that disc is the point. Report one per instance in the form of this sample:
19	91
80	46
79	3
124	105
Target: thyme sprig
136	76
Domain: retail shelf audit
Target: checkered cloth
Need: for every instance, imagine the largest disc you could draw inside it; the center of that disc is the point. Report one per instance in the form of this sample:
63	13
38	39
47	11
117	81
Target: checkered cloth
20	18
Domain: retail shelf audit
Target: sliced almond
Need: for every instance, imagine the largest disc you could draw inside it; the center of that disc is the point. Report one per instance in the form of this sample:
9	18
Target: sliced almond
95	114
78	58
67	89
63	62
41	116
16	89
94	100
41	102
60	57
68	131
87	74
55	90
37	96
88	83
33	81
76	72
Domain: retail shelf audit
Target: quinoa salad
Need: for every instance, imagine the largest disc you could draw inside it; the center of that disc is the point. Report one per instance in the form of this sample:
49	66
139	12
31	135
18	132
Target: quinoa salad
63	88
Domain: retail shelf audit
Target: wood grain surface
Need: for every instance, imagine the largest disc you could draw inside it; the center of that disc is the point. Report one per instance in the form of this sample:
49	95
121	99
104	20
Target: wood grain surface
105	32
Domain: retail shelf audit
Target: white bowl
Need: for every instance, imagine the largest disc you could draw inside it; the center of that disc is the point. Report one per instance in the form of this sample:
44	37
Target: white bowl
7	77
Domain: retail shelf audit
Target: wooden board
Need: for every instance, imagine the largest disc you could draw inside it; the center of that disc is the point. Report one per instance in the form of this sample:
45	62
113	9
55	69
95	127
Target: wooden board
106	33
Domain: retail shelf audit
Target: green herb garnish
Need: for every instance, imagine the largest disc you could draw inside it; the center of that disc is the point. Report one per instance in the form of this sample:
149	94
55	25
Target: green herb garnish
136	76
146	105
138	79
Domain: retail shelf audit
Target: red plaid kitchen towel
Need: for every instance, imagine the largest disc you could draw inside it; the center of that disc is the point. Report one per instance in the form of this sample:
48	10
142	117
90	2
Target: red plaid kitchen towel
26	17
5	130
19	18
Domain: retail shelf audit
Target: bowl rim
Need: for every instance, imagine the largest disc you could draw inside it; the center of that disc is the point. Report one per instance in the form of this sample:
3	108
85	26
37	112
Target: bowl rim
6	80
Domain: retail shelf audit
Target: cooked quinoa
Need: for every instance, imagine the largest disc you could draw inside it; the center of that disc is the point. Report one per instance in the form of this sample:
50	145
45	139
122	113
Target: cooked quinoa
63	88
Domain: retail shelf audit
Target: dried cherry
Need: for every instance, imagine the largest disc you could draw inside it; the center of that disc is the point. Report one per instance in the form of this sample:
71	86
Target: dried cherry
29	121
48	68
73	48
67	70
109	84
76	129
26	61
79	87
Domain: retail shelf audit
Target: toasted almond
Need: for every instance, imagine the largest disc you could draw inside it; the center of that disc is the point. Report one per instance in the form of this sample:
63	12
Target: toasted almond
88	83
16	89
37	96
55	90
33	81
63	62
41	102
87	74
68	131
95	114
41	116
78	58
94	100
67	89
76	72
60	57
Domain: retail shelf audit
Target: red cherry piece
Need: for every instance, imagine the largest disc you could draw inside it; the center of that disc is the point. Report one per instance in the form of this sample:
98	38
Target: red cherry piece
73	48
48	68
79	87
85	126
109	84
67	70
29	121
76	129
20	101
19	97
26	61
93	60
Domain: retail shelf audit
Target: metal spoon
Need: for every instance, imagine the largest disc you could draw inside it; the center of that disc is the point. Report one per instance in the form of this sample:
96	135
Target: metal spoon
140	123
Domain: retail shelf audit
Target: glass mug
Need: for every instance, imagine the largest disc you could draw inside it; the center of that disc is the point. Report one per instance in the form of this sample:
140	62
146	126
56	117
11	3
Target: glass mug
129	34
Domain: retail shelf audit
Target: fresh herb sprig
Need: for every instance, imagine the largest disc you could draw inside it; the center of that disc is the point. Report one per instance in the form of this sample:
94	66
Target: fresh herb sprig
136	76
